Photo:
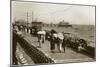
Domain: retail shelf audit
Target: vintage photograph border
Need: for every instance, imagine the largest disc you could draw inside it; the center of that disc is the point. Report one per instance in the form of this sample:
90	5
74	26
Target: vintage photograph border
48	3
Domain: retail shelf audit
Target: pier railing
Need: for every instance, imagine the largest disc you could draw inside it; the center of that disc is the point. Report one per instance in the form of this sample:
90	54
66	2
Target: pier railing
36	55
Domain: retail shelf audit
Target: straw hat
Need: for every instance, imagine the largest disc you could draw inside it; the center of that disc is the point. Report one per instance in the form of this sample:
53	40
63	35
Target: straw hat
60	36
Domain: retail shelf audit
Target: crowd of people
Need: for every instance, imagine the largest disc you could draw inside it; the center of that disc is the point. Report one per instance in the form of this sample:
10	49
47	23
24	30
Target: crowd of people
53	37
56	39
60	40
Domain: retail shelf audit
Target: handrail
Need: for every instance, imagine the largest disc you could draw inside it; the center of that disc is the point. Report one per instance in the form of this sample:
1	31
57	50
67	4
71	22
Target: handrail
36	55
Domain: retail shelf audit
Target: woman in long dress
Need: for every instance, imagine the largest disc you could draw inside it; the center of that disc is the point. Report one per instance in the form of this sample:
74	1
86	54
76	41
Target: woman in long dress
41	37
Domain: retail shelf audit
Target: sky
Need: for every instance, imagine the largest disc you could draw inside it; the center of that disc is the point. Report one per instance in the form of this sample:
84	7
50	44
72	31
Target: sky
53	13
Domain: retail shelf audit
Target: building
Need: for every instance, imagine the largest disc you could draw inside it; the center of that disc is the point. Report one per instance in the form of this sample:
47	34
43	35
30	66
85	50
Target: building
40	24
20	23
64	24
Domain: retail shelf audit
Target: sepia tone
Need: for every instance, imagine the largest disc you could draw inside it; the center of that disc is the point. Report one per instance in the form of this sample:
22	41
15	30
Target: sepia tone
49	33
